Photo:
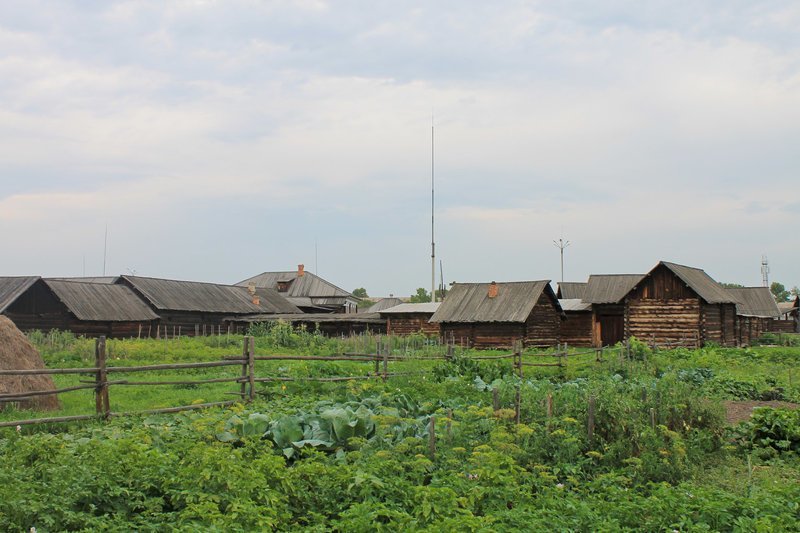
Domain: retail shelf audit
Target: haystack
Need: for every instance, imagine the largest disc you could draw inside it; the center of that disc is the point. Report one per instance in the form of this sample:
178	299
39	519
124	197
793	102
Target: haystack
16	353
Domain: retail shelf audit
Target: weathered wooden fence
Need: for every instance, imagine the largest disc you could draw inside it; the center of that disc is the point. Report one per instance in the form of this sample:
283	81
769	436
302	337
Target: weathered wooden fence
379	361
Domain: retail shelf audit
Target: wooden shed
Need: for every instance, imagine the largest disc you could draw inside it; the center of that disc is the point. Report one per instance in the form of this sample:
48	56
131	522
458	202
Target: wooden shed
680	305
329	324
606	294
191	307
788	321
90	309
497	315
755	310
409	319
576	329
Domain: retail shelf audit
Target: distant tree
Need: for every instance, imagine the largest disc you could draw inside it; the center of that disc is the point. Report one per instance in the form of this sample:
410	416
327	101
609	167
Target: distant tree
732	285
422	296
360	292
779	291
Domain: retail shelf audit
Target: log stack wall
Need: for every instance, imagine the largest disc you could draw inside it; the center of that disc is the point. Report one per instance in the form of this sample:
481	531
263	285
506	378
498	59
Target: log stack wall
576	330
411	324
664	321
543	327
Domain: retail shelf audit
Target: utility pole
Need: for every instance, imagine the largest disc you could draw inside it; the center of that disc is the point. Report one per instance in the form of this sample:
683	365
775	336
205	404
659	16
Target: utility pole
561	244
433	245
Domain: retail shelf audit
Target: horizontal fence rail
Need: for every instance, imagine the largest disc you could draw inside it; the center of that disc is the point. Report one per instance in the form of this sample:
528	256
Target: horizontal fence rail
379	369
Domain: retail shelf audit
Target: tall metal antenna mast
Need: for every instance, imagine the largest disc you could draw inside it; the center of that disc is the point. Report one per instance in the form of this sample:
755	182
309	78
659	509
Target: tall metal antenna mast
764	271
105	249
561	244
433	245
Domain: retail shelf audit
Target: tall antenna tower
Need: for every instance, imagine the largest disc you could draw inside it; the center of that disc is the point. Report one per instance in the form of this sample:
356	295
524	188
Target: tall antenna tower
433	245
561	244
764	271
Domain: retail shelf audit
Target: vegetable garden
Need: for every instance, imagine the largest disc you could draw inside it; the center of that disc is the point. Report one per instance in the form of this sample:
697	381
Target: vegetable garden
637	441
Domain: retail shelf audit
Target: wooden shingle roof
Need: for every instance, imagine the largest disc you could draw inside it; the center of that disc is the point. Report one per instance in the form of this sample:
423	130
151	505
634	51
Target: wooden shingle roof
176	295
470	302
101	302
609	288
571	290
12	287
755	302
701	283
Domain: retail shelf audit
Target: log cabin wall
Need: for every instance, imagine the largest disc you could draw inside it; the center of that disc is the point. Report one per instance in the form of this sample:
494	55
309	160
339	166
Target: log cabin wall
783	326
411	324
576	330
662	309
543	327
458	333
496	335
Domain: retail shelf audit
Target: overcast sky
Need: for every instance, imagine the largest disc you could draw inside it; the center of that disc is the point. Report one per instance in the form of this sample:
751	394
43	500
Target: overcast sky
217	140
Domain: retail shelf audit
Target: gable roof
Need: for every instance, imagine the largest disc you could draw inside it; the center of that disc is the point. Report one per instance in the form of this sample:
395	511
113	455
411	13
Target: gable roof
469	302
701	283
307	285
383	303
12	287
574	305
100	301
755	302
609	288
570	290
271	301
176	295
427	307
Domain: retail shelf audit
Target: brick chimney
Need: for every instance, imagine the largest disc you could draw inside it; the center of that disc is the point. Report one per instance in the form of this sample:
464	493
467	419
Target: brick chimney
256	299
492	290
301	271
251	287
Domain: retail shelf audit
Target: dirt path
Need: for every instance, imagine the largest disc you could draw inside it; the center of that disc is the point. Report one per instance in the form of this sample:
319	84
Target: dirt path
736	411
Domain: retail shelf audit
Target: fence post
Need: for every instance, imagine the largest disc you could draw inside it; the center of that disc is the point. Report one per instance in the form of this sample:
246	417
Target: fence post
102	404
496	399
652	418
385	365
251	367
243	385
518	399
449	424
590	419
432	437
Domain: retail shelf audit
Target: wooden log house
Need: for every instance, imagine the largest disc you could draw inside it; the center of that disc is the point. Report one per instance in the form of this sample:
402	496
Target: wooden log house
680	305
192	307
606	295
755	309
89	309
788	321
497	315
410	319
576	329
309	292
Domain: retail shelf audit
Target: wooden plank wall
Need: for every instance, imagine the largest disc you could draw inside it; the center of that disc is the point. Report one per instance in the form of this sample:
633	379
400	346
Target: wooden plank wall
411	324
576	330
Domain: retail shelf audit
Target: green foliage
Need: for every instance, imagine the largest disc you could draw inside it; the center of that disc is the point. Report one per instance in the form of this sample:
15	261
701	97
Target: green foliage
779	292
355	456
421	296
360	292
773	428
